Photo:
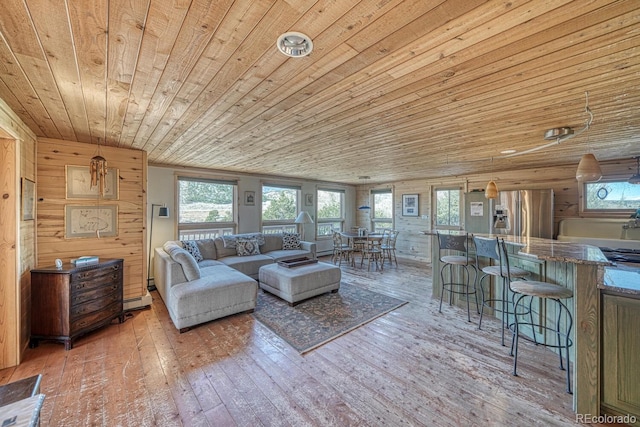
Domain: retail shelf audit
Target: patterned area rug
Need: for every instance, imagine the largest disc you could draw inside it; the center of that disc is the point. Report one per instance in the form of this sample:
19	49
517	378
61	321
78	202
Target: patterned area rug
318	320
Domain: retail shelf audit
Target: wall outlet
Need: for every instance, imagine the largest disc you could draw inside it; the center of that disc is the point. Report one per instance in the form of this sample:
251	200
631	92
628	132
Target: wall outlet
425	216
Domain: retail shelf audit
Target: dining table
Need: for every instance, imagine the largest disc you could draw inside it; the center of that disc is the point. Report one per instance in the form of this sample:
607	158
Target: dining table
354	235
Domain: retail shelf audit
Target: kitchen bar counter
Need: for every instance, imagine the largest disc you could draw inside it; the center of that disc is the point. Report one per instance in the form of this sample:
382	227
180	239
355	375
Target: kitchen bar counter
578	267
543	249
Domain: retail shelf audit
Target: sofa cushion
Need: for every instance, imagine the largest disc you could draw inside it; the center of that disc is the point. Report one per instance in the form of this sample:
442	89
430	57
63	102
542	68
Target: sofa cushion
272	242
198	301
221	251
191	246
207	248
208	263
290	241
185	259
246	247
248	265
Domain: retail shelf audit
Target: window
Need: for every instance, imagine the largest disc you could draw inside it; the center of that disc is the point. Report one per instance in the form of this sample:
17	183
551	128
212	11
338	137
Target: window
611	196
382	210
330	212
206	208
279	208
448	208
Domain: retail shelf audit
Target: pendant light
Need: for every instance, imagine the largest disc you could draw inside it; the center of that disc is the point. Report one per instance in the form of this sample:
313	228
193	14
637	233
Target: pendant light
635	179
588	168
364	207
491	192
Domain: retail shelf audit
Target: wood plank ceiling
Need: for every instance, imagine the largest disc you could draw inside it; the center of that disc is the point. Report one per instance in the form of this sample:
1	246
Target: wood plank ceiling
396	89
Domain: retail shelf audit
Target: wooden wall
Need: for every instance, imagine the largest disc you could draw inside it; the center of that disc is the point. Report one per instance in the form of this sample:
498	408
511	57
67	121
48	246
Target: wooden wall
17	236
53	156
413	244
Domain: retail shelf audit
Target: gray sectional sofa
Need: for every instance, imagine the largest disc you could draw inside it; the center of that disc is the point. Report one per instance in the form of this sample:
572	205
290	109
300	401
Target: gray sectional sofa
203	280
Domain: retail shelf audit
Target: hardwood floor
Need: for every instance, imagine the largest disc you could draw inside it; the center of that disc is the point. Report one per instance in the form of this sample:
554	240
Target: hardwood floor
413	367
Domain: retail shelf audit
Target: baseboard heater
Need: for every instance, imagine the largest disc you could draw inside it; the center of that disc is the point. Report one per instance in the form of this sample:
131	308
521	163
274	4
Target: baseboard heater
138	302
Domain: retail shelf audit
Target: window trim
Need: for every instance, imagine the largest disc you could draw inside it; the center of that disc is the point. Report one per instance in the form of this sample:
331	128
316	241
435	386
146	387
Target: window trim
225	226
434	215
287	223
612	213
341	219
374	220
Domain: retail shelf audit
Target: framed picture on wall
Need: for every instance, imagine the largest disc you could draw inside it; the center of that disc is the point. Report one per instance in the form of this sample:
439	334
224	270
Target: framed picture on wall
250	198
28	199
409	205
308	199
79	183
90	221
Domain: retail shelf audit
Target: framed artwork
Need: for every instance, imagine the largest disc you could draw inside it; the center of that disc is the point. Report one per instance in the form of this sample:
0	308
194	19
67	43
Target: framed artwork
90	221
409	205
79	183
28	199
250	198
308	199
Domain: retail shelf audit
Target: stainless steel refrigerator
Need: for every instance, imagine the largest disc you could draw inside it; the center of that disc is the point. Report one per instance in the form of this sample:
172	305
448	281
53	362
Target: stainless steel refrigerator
526	213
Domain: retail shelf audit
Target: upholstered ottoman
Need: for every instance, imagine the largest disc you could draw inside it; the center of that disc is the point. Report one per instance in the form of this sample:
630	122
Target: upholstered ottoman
295	284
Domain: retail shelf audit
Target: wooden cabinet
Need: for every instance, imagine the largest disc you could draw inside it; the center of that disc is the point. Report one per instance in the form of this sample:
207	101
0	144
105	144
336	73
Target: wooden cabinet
71	301
620	356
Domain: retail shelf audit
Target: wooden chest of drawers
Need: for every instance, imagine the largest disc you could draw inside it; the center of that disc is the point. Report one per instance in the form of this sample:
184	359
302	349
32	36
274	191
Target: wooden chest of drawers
71	301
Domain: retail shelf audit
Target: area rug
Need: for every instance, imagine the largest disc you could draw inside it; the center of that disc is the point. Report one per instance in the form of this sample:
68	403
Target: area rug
318	320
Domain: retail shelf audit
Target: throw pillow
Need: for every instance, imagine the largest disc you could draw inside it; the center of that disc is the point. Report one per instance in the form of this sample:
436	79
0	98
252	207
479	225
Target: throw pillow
230	240
290	241
192	247
246	247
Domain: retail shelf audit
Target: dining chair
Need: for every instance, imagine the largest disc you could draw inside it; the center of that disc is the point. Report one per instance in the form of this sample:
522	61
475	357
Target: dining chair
341	250
372	252
388	247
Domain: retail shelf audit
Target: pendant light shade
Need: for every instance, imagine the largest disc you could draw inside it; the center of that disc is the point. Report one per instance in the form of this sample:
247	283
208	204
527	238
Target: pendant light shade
588	169
635	179
491	192
365	206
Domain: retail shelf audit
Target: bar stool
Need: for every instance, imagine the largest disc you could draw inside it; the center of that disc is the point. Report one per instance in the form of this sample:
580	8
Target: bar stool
458	243
488	248
545	292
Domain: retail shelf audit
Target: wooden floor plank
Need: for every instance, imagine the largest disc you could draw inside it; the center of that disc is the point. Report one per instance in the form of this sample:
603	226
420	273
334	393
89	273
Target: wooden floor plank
413	366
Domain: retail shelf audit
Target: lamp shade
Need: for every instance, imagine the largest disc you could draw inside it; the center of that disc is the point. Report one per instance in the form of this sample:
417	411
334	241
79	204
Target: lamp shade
163	212
588	168
303	218
491	192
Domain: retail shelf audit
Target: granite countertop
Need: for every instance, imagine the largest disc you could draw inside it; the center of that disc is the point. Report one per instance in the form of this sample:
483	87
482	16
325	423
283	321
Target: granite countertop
622	278
545	249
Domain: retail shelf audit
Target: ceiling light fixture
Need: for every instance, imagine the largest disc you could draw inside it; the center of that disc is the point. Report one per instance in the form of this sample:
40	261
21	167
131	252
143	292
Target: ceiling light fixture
491	192
364	207
588	168
295	44
635	179
556	135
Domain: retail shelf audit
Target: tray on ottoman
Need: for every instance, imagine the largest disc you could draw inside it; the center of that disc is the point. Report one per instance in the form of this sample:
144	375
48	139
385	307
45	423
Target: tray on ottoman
296	262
